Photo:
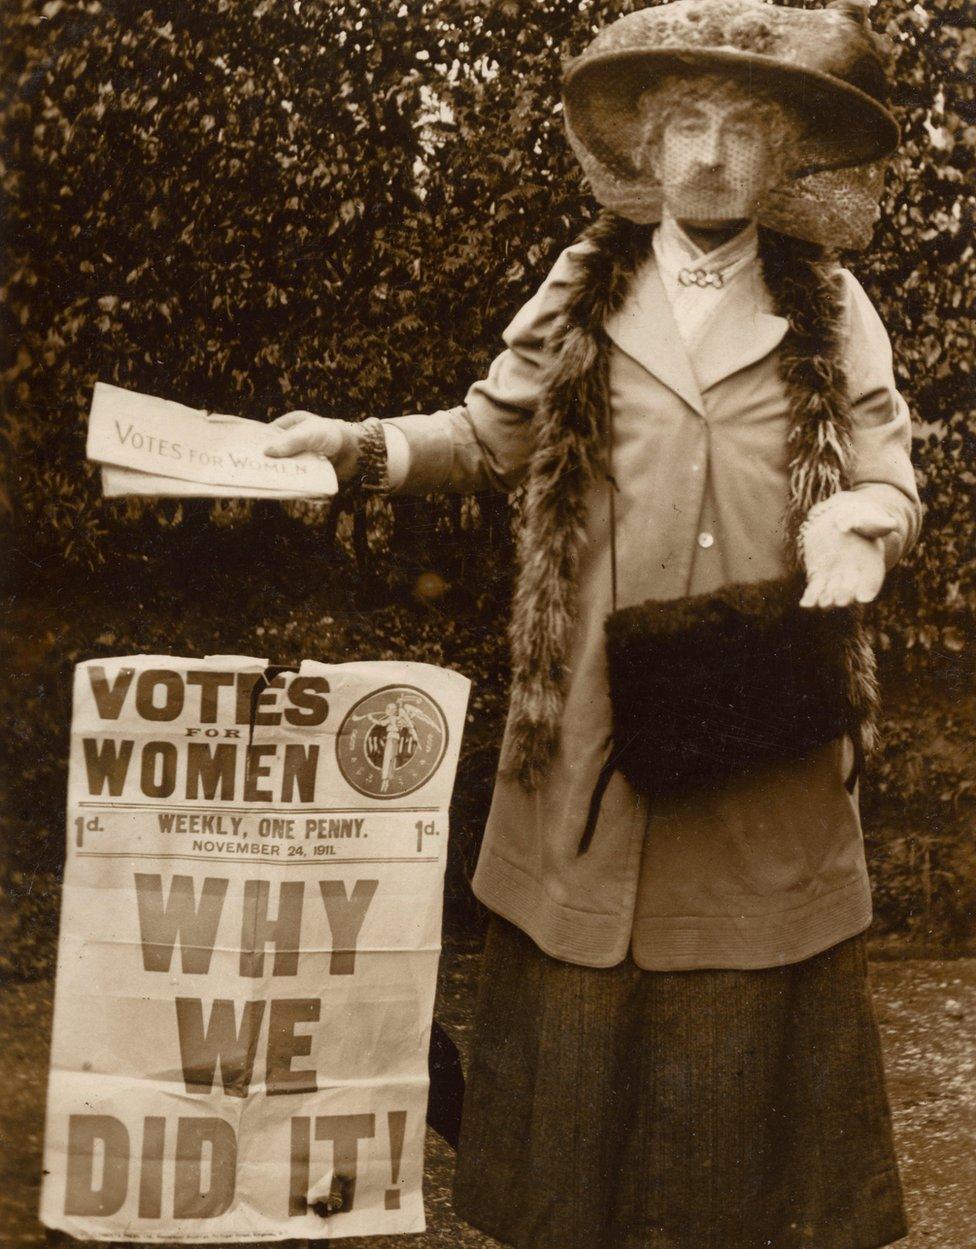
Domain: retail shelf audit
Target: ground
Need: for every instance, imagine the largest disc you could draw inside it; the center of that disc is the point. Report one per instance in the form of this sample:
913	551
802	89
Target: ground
926	1008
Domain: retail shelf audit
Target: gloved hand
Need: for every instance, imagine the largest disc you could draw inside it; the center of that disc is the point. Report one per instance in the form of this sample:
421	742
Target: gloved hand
843	551
304	431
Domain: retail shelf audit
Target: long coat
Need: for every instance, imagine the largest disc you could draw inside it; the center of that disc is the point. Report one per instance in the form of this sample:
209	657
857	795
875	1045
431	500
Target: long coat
769	869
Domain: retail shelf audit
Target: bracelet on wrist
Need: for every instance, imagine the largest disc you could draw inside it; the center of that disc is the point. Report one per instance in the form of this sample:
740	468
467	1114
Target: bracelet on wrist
373	474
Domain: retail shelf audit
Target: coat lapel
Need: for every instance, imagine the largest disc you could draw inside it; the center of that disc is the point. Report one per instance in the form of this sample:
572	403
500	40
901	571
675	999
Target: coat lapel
644	327
739	334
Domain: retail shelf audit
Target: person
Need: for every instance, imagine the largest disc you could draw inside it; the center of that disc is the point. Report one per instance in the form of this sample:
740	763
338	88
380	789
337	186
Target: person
675	1046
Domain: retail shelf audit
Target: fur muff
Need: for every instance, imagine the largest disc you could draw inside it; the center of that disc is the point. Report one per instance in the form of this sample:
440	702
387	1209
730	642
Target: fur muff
571	427
707	687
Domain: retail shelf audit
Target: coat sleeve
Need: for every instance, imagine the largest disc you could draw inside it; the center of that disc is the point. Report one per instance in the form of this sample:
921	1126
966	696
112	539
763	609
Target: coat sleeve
882	424
486	442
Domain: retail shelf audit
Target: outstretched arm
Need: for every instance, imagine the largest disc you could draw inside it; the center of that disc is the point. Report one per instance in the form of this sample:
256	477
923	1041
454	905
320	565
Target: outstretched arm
484	443
852	539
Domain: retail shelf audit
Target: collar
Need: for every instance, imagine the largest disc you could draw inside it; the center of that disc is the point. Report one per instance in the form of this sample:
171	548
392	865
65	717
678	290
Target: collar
675	251
733	328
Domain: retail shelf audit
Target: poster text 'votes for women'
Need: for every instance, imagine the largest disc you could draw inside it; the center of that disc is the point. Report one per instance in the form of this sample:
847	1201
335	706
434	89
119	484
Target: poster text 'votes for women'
249	945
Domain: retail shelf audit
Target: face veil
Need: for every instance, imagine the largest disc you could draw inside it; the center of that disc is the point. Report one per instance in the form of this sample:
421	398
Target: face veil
821	71
715	148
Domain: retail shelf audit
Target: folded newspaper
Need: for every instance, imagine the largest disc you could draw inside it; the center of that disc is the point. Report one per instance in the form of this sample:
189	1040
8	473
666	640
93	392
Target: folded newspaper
152	446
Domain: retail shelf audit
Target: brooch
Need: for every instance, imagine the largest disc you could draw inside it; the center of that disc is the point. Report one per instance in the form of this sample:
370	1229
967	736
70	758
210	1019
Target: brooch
702	278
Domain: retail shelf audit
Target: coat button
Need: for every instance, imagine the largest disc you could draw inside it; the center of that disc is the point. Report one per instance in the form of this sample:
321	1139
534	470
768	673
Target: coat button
705	540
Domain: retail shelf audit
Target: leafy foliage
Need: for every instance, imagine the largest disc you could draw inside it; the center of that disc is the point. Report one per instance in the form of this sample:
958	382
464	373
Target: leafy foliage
922	278
920	811
337	205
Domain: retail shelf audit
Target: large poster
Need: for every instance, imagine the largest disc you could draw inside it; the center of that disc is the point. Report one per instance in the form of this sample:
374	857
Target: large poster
249	945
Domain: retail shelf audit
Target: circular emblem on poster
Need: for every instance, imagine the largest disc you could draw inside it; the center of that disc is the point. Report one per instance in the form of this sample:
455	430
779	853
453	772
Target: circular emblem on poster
391	742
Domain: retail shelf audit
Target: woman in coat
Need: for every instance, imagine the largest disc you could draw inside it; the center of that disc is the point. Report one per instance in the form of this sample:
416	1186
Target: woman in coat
675	1046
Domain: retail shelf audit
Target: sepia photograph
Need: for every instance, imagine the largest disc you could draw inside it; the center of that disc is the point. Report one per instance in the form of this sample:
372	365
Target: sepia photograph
489	604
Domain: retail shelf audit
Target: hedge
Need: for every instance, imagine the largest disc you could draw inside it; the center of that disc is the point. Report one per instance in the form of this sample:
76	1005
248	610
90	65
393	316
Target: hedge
337	205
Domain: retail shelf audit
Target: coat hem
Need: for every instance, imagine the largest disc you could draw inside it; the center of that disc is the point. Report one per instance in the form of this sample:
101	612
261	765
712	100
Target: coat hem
670	943
740	942
587	938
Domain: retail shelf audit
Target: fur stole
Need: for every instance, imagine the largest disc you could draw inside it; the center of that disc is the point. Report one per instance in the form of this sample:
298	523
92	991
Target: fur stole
571	436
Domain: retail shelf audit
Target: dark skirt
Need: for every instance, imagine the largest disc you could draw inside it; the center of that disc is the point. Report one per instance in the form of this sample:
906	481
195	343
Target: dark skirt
615	1108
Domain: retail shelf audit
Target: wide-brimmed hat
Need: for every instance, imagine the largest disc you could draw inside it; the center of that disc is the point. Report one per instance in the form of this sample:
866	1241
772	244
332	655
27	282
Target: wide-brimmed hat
823	65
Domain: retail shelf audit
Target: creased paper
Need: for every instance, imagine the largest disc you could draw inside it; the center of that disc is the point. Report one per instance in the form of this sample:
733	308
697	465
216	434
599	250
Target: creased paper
145	439
249	943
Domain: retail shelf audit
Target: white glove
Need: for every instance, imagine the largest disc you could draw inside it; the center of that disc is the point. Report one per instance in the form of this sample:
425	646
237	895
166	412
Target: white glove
304	431
843	551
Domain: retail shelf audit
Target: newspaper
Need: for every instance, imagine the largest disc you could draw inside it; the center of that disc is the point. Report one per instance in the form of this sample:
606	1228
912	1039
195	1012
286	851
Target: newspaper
153	446
118	482
249	944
